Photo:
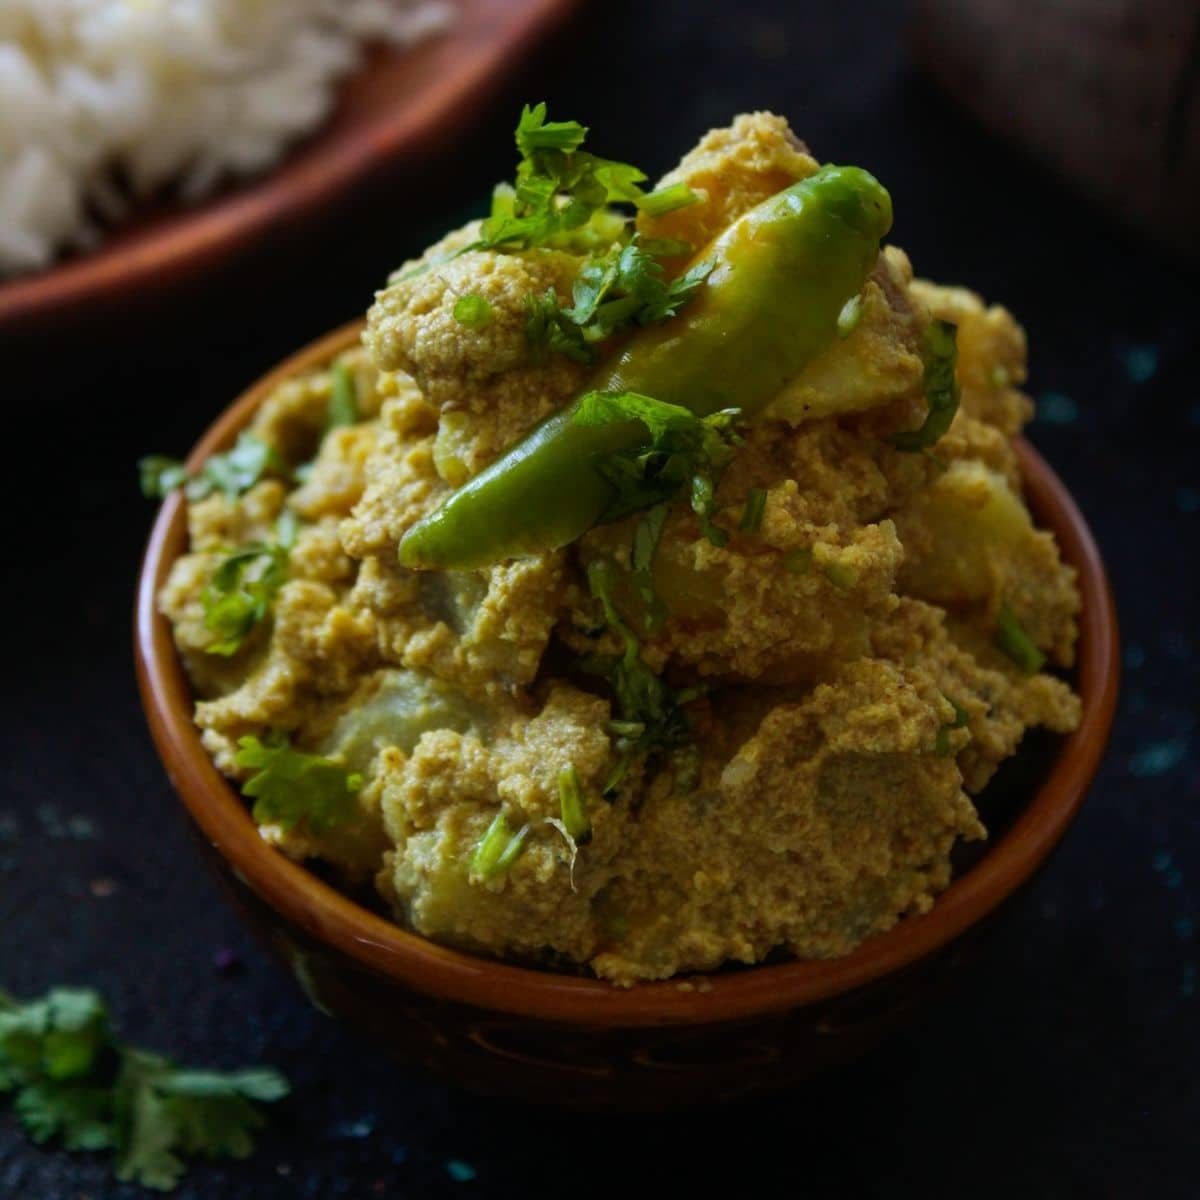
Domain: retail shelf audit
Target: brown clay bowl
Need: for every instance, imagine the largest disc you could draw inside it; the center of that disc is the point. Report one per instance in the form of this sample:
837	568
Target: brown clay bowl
402	103
518	1031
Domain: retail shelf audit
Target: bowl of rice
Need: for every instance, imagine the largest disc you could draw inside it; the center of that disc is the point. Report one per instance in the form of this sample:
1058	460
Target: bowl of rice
141	142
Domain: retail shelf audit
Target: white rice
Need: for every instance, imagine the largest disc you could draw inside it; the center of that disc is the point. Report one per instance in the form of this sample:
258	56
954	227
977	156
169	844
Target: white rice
106	101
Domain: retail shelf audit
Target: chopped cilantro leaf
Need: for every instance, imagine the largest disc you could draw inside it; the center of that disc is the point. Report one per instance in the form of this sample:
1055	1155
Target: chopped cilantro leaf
667	199
534	133
342	408
625	287
942	745
160	476
548	328
561	195
646	537
686	453
652	717
1016	643
559	187
232	473
752	513
498	849
473	311
238	470
292	787
243	588
939	353
573	806
612	292
73	1080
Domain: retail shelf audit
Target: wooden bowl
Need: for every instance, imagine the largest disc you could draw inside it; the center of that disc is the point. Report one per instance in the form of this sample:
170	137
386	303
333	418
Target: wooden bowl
511	1030
401	104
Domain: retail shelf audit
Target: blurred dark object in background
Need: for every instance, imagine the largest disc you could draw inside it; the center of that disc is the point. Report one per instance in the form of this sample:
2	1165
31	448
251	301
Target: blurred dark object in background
1104	92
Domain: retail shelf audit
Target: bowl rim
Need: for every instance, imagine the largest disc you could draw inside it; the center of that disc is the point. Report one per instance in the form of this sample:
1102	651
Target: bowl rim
474	57
452	975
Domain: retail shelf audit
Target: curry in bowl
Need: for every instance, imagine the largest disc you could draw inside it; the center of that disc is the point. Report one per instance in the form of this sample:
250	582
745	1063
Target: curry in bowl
652	589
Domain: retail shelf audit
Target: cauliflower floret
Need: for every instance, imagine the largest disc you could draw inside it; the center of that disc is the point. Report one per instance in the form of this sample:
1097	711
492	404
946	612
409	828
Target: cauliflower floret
482	380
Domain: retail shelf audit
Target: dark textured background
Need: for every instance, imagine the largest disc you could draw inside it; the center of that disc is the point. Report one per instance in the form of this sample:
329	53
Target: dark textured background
1065	1066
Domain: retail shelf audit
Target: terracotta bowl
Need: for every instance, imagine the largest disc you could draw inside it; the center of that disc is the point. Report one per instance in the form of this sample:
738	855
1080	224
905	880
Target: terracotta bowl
511	1030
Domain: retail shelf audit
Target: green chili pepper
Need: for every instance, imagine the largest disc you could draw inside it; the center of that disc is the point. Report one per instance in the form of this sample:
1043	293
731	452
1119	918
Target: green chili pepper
782	274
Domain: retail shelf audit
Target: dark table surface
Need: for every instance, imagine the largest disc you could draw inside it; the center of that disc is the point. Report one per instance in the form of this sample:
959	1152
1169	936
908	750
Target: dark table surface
1065	1066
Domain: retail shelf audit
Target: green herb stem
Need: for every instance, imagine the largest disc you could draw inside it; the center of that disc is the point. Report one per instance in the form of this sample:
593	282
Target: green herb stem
573	806
1016	643
752	513
668	199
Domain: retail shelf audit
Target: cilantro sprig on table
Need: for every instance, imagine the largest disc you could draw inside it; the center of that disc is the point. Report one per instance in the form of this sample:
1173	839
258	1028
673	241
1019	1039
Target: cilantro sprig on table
291	787
71	1078
685	455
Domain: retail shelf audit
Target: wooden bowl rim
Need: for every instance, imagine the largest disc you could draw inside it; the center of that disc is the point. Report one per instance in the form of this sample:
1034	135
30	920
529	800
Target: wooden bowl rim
312	174
438	971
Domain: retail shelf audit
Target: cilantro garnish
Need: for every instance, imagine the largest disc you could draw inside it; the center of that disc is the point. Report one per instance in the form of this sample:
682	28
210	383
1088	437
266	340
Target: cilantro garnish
942	744
685	453
71	1079
243	588
646	536
651	715
1016	643
292	787
159	476
613	291
232	473
342	408
562	193
498	849
473	311
667	199
625	286
752	513
547	327
573	806
535	134
939	353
